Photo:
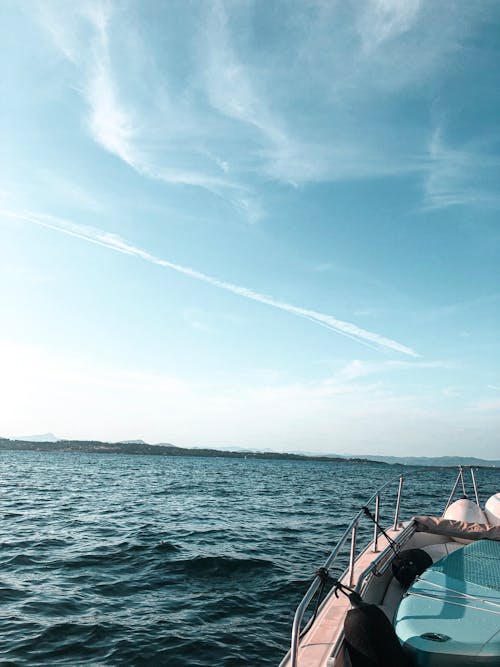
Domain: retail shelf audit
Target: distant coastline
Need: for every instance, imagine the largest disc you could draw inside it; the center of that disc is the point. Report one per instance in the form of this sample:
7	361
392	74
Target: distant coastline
142	448
139	447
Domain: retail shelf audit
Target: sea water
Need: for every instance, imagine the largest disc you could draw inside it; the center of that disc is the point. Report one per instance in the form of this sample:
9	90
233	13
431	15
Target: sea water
178	561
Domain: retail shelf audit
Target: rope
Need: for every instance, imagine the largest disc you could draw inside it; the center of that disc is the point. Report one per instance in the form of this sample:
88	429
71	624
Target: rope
457	604
354	597
391	542
324	576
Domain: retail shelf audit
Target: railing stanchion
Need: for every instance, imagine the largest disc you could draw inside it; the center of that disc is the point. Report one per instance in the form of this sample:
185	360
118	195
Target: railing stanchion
352	556
474	485
375	528
398	503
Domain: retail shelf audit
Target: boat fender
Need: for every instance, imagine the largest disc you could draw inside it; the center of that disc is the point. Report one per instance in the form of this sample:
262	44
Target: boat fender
465	510
371	640
409	564
492	510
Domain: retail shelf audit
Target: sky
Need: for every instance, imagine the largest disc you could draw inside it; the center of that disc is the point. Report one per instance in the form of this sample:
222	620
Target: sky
252	224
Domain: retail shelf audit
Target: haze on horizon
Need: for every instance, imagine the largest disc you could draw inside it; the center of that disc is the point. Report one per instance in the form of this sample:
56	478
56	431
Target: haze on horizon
259	225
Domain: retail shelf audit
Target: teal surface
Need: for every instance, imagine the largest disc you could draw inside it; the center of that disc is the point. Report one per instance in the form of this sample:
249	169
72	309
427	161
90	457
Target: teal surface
436	604
477	563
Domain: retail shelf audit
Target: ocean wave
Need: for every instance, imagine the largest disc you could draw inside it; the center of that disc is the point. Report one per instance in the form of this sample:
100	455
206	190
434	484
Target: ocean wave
220	566
168	562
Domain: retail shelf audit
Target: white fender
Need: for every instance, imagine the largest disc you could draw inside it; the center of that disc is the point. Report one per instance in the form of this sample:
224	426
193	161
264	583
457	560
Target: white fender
492	510
465	510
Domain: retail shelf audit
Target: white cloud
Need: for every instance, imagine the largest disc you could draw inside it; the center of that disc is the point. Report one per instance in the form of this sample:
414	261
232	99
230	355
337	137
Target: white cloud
45	391
451	392
160	137
197	319
114	242
458	176
460	307
230	90
244	110
77	398
383	20
110	123
487	405
367	312
357	369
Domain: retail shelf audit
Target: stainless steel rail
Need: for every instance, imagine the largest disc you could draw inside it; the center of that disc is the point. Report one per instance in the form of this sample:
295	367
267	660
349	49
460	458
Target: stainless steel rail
351	531
398	502
460	479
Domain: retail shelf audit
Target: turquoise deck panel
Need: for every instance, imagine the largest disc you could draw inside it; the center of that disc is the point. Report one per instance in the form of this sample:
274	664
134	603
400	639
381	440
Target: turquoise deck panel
477	563
471	625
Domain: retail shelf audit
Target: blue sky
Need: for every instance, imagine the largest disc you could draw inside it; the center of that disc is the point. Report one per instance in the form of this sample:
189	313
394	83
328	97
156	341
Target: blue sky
252	224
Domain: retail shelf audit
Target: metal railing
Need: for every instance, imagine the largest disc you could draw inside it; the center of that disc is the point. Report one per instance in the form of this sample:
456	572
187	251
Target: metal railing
351	531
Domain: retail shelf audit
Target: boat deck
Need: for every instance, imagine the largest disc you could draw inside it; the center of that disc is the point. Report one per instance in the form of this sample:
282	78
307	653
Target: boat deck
317	647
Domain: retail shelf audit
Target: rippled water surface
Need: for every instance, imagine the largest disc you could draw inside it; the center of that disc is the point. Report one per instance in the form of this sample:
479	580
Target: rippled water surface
131	560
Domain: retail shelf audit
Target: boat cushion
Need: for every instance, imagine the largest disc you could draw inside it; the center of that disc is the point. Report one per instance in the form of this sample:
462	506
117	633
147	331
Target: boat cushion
453	528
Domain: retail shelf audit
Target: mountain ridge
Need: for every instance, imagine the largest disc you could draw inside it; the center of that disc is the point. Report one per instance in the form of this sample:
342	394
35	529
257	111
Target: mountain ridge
139	447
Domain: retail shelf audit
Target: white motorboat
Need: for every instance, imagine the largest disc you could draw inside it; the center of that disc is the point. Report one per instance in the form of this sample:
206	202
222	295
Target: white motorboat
423	593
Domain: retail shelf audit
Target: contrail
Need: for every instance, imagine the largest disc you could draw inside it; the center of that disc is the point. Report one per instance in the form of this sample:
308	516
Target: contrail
114	242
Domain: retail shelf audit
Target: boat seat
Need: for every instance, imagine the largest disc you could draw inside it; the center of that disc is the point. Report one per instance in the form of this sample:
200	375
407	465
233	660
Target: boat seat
392	598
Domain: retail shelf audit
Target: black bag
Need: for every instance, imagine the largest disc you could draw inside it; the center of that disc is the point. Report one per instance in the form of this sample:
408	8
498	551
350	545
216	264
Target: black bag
371	640
409	564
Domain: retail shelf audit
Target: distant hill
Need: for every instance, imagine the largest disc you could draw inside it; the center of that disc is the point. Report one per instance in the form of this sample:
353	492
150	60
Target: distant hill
139	447
131	442
44	437
434	460
53	444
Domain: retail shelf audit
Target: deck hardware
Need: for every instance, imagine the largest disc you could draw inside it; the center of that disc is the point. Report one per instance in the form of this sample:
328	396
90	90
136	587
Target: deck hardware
435	637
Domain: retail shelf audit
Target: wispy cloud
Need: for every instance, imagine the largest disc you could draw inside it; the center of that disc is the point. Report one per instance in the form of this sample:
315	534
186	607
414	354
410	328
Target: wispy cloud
383	20
241	110
451	392
459	176
49	390
229	87
197	319
116	243
357	369
161	136
454	309
487	405
368	312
